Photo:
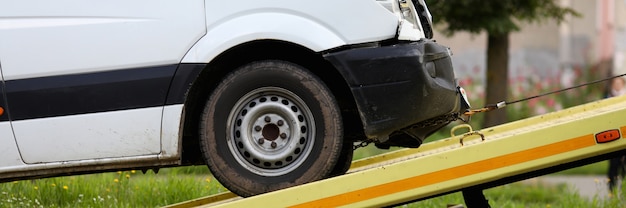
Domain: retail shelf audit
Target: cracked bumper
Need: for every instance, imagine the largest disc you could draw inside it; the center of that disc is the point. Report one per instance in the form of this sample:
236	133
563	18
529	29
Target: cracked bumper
400	85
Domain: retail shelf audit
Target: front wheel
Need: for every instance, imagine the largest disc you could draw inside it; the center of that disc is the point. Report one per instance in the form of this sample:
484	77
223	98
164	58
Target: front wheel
270	125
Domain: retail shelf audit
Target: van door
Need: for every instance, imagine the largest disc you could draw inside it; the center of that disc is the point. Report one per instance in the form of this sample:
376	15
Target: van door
88	79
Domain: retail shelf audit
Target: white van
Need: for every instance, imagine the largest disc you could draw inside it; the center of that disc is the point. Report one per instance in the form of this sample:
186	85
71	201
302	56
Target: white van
267	93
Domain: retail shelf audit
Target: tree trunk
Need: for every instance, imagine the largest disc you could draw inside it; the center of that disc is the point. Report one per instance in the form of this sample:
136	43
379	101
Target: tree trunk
497	77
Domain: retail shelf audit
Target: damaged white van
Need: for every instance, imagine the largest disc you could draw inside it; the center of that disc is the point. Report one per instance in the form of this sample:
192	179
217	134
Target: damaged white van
268	94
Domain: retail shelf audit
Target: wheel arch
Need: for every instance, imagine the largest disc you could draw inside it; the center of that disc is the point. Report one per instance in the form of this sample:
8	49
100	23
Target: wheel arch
257	50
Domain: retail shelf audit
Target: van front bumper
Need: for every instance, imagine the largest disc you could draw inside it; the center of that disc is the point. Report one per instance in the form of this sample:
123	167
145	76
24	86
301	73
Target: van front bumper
397	88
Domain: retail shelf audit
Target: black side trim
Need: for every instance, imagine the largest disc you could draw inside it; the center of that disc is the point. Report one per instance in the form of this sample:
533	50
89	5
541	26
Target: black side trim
89	93
184	77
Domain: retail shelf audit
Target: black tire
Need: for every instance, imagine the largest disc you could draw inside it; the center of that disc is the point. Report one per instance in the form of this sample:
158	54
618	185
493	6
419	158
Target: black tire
270	125
344	161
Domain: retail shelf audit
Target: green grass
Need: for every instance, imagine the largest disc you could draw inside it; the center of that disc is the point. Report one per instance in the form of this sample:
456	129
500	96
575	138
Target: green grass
118	189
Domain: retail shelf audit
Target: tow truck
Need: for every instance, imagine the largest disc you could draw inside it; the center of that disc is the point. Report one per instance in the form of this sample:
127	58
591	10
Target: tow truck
474	160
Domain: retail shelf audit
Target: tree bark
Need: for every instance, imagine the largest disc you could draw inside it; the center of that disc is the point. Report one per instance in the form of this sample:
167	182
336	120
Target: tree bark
497	77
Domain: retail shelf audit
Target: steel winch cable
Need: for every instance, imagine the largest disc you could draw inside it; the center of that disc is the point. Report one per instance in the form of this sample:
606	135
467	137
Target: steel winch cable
503	104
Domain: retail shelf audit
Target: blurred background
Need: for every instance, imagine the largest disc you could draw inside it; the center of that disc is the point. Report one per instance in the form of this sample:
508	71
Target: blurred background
546	56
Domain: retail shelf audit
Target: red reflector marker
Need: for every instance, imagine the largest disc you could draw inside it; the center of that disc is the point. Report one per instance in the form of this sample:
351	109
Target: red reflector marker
607	136
1	111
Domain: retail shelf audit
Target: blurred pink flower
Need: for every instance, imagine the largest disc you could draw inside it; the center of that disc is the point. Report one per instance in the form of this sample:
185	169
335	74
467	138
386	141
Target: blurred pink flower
540	110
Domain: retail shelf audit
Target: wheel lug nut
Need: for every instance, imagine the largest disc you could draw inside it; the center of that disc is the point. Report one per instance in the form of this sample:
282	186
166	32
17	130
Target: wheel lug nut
273	144
261	140
283	135
257	128
268	119
280	123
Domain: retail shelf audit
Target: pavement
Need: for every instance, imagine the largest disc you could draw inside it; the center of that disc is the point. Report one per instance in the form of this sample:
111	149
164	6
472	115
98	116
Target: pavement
586	186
